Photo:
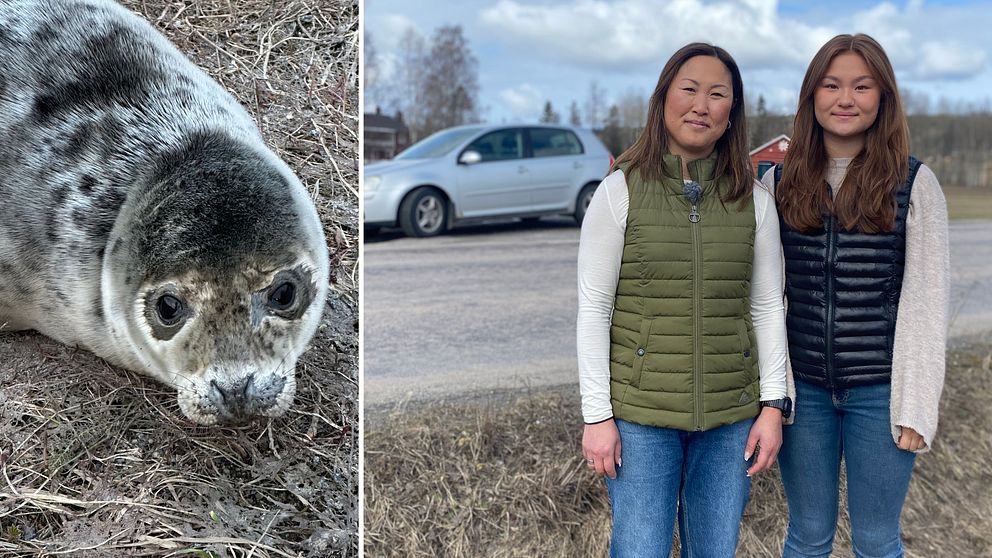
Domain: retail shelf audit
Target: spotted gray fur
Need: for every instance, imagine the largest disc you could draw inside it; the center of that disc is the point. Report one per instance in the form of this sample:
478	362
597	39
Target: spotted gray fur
126	173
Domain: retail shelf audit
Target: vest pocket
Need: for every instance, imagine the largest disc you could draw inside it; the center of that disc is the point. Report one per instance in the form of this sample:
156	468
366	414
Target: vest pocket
749	358
746	351
745	342
641	352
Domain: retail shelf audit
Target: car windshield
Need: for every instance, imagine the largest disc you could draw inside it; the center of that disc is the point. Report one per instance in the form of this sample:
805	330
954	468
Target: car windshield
436	145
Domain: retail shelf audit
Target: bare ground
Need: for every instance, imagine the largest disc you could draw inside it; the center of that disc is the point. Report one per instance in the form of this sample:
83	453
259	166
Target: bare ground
97	461
506	479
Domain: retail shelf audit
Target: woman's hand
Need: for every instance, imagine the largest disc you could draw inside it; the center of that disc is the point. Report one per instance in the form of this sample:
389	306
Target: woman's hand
601	447
910	440
766	437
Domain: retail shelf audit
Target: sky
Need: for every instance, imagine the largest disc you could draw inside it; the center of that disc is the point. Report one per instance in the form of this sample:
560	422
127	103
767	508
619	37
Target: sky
530	52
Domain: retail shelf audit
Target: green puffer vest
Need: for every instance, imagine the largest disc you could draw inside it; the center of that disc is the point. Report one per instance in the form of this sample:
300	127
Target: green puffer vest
682	348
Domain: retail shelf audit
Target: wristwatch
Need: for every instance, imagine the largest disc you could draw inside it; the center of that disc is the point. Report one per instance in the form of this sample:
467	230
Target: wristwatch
784	405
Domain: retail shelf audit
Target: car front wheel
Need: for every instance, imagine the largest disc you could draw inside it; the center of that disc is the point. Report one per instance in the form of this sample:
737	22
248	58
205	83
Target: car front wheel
424	213
582	202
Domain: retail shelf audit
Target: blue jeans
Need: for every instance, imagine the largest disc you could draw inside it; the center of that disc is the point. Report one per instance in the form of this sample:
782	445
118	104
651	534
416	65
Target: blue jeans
701	474
854	423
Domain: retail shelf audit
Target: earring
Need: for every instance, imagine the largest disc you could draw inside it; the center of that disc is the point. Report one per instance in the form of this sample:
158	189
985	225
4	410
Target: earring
728	124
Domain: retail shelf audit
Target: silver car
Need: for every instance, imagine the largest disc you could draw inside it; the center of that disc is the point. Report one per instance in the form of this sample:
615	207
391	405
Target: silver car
476	172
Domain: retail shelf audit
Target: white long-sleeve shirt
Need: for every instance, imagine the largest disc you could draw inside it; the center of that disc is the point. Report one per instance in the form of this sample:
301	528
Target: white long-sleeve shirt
600	249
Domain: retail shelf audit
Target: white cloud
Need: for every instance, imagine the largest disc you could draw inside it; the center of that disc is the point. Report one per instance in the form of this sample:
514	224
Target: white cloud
559	46
916	40
391	29
893	30
623	33
949	60
386	36
523	101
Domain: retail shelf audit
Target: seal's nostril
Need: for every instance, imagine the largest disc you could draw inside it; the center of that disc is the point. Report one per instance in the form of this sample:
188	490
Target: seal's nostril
247	396
233	395
263	395
219	390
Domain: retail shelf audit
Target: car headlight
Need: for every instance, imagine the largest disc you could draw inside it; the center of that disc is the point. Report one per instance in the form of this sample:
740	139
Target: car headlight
372	182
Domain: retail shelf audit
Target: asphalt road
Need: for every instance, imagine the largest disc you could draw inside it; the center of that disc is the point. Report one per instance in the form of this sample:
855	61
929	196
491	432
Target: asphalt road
492	307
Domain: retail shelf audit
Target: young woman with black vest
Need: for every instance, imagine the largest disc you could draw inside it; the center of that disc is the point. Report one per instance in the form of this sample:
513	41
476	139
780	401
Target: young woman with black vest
864	233
680	285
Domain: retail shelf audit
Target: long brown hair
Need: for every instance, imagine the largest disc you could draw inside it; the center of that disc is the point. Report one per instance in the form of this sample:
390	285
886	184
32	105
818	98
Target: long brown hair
732	156
866	200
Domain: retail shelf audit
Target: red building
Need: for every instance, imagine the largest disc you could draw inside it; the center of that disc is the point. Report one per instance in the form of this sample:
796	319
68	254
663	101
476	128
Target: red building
769	154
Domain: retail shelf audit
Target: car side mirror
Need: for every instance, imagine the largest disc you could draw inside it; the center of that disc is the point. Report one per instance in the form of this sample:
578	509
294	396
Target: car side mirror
470	157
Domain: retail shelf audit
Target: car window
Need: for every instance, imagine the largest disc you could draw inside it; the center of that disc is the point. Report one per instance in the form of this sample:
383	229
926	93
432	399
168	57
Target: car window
437	144
501	145
548	142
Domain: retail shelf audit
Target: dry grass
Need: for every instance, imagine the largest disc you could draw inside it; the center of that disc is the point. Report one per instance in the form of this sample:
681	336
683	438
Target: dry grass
968	203
97	461
507	480
456	480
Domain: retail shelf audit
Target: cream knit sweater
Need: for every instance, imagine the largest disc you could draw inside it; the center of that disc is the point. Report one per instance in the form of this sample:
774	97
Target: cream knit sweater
922	319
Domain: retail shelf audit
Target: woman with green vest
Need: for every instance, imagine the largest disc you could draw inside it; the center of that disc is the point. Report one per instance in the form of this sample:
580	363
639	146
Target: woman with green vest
865	239
680	285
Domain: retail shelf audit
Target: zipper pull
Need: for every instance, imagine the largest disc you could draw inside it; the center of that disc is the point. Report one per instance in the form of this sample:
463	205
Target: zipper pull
693	192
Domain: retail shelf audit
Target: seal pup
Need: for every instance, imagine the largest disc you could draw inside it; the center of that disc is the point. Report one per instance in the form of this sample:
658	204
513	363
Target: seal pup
143	218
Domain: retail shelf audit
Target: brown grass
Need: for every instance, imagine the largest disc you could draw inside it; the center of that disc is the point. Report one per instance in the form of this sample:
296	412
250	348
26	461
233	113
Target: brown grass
97	461
507	480
968	203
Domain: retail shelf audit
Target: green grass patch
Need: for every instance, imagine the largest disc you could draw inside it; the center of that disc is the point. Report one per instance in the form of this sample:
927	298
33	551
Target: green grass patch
968	203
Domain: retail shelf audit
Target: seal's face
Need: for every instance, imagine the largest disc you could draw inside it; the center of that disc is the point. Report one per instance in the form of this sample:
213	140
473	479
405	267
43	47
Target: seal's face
215	278
227	342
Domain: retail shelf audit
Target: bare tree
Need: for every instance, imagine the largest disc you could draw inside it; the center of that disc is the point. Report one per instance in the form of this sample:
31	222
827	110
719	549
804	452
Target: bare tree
407	83
764	124
759	124
955	146
915	102
633	115
371	71
612	135
549	116
595	105
573	115
945	106
451	81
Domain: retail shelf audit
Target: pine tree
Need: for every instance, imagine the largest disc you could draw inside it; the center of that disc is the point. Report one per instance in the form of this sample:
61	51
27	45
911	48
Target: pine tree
549	116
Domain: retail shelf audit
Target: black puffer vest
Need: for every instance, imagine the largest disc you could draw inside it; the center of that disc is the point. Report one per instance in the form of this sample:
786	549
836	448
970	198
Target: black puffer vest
843	292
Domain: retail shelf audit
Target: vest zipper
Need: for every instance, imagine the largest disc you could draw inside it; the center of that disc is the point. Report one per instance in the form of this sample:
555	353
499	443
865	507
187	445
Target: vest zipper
697	367
829	310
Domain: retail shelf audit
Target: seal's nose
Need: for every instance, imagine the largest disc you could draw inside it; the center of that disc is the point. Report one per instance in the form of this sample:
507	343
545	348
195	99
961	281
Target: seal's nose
234	395
240	399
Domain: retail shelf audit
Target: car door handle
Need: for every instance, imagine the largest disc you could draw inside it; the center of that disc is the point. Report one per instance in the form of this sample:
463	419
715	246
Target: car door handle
576	165
521	169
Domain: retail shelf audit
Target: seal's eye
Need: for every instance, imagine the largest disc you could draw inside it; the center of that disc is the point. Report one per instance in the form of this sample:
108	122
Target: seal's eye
169	309
282	297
